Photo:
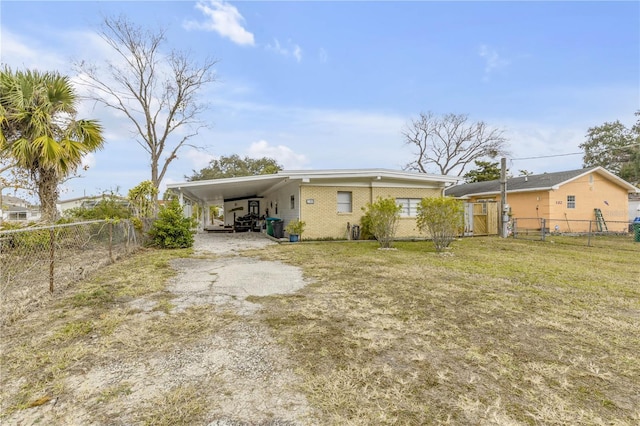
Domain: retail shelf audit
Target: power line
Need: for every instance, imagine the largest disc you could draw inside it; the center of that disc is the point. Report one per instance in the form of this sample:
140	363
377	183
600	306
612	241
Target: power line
547	156
575	153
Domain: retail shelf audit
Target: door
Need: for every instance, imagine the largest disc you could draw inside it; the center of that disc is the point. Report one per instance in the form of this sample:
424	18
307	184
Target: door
254	207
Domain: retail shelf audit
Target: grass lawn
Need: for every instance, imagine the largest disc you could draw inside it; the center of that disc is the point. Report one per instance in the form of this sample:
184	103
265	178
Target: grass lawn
494	331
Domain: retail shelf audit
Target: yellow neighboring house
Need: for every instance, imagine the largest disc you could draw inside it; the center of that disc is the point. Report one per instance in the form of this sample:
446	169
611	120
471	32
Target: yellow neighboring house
569	201
330	202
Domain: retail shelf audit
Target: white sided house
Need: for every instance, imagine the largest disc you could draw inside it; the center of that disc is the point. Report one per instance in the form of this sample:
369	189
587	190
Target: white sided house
330	202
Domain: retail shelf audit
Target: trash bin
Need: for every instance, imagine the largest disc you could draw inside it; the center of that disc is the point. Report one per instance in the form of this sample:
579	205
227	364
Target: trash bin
355	232
278	228
270	221
636	228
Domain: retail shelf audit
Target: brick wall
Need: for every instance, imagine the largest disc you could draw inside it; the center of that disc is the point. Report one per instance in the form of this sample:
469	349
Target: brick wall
324	221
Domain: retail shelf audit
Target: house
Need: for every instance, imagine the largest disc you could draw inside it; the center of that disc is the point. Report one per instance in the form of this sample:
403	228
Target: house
87	202
330	202
569	201
16	209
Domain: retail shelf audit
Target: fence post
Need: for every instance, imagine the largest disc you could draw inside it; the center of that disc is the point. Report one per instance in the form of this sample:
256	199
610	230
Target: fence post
111	242
51	257
589	235
515	228
544	225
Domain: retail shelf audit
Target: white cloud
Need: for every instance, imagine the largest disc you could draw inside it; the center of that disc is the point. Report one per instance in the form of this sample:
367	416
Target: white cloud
294	49
282	154
223	19
198	158
297	53
88	161
542	147
323	55
493	61
21	52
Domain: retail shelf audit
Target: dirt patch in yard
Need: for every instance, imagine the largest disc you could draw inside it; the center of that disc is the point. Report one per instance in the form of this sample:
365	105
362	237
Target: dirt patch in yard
194	351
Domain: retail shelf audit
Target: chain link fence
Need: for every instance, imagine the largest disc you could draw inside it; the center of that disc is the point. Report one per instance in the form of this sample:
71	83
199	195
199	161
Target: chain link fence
619	235
37	262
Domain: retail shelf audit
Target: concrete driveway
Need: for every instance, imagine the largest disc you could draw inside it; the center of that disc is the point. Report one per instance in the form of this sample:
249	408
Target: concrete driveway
227	278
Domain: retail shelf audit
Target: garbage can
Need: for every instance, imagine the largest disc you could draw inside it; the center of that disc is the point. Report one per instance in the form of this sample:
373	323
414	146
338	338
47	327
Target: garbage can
355	232
270	221
278	228
636	228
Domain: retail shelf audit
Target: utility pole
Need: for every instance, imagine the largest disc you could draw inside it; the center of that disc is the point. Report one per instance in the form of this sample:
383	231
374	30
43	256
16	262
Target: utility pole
504	218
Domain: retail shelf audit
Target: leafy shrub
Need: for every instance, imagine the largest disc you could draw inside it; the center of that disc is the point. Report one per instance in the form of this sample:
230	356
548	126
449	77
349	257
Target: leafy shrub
382	220
442	218
365	227
143	199
296	226
9	226
30	240
172	229
107	208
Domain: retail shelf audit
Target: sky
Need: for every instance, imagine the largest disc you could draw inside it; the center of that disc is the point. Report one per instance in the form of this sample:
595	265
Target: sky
333	84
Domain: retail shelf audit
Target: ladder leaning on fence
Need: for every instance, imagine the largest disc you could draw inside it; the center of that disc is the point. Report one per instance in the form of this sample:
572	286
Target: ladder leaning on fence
600	222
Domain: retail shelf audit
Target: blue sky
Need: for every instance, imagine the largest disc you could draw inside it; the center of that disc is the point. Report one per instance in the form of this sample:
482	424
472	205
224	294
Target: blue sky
323	85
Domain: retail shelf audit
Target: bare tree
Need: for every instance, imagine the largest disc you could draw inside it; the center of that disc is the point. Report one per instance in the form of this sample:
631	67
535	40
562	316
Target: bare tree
450	142
157	92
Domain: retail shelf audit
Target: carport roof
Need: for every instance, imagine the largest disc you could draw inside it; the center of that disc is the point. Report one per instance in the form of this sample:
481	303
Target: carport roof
216	191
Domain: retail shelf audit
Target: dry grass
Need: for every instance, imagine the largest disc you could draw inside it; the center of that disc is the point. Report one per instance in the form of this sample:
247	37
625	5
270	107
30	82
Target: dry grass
182	405
495	331
93	325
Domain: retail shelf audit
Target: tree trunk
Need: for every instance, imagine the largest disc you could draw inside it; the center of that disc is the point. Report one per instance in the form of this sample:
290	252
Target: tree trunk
48	192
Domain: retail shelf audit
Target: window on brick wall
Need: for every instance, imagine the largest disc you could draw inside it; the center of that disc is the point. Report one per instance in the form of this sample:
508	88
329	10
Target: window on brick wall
409	206
571	201
344	202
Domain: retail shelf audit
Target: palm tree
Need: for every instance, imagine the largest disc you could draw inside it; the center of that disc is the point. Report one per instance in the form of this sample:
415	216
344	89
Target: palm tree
40	132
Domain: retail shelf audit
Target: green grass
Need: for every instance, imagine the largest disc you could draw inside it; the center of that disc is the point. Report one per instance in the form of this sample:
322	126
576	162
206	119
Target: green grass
495	331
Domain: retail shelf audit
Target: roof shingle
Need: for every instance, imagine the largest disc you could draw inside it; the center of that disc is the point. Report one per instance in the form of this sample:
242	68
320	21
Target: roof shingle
520	183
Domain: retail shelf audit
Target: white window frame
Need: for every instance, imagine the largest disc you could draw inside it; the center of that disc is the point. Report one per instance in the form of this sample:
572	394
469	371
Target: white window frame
17	216
409	206
345	202
571	201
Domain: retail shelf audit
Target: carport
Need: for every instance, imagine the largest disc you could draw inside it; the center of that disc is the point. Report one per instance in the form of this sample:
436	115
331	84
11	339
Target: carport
221	192
328	201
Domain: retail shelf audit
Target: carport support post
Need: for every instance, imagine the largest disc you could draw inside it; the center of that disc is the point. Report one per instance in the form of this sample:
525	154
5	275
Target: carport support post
205	215
504	214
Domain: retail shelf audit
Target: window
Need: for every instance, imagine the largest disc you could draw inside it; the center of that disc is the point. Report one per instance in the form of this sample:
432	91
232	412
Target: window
571	201
409	206
17	215
293	202
344	202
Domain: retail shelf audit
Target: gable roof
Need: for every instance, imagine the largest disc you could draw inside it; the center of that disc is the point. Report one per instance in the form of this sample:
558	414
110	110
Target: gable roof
10	200
218	190
541	182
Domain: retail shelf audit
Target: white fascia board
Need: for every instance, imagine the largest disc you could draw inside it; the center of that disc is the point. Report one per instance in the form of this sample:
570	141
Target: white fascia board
239	179
367	173
411	185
